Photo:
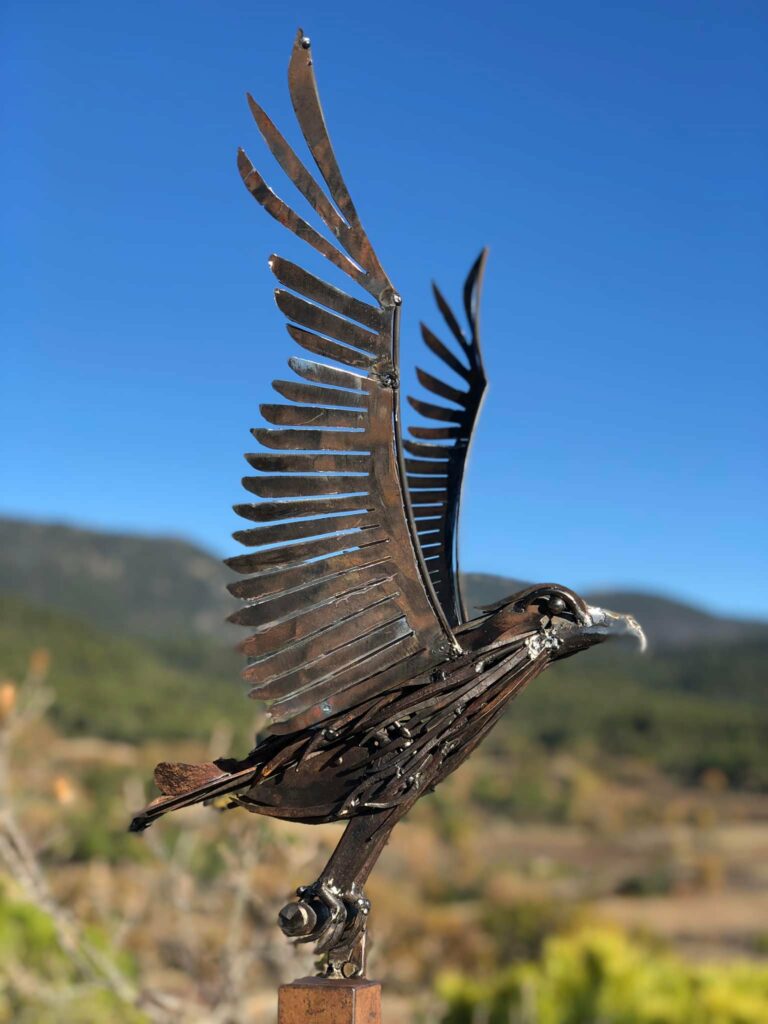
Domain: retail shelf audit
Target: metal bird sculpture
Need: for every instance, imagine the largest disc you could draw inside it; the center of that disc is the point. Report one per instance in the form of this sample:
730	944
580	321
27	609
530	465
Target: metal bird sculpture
378	684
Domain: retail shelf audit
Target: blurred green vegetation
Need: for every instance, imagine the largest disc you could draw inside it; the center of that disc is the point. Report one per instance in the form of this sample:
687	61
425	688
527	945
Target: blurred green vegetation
123	688
599	976
608	706
41	982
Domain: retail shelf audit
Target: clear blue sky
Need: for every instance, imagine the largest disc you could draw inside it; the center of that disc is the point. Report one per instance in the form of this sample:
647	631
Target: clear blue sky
612	156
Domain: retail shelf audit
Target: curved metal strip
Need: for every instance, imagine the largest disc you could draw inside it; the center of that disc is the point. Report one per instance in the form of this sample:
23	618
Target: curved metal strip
444	463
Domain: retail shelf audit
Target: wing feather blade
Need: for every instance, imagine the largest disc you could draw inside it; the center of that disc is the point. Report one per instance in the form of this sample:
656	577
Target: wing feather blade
399	659
321	373
423	483
324	591
428	467
307	314
309	113
272	462
311	440
273	640
436	433
311	416
439	387
325	294
354	619
428	451
288	555
312	394
449	317
296	170
436	412
436	346
323	347
277	534
284	215
325	666
321	570
303	486
428	497
271	511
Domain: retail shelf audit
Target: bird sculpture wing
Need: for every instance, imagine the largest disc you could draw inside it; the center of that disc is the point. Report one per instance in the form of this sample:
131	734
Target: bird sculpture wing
438	456
336	586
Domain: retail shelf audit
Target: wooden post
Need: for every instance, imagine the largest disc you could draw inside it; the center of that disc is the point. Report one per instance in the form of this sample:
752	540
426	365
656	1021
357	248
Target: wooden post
326	1001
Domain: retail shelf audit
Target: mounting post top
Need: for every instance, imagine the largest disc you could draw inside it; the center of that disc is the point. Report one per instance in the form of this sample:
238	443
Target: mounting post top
329	1001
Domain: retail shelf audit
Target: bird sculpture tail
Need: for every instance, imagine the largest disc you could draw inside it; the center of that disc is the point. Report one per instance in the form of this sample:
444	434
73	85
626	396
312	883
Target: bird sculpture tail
185	784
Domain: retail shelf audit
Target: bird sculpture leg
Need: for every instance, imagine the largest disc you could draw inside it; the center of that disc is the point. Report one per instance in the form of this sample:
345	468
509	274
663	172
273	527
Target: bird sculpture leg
333	911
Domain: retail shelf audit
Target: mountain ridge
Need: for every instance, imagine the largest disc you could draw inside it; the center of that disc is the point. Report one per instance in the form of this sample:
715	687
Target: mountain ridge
160	587
134	630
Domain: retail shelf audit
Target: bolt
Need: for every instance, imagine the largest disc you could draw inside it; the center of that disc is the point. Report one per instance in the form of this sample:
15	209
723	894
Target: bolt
306	42
297	919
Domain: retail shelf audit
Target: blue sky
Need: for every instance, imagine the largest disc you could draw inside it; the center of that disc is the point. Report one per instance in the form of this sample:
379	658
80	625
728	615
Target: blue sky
612	156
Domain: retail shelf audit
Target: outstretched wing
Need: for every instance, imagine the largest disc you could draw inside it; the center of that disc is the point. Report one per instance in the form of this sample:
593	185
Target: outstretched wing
336	587
439	456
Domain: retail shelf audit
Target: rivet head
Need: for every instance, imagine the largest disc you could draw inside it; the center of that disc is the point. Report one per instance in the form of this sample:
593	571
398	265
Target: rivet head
306	42
397	299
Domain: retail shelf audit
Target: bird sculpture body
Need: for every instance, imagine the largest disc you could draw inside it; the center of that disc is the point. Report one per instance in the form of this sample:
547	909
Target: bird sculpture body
378	685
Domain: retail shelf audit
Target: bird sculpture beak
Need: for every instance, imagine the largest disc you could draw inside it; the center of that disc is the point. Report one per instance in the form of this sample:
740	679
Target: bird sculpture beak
603	623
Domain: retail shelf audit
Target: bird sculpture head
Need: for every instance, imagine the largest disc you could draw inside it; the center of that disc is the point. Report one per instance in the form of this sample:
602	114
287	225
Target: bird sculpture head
553	619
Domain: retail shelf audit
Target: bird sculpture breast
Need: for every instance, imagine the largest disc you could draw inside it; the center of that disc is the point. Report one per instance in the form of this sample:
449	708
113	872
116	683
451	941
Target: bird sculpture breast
377	683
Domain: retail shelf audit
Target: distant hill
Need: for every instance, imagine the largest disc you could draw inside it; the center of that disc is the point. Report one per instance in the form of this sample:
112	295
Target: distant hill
141	586
165	588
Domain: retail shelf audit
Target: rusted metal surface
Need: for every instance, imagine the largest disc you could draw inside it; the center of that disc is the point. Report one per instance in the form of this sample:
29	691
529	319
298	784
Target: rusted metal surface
377	685
317	1001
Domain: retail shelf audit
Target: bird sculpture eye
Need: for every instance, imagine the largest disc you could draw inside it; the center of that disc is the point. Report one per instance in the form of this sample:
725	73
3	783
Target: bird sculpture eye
556	604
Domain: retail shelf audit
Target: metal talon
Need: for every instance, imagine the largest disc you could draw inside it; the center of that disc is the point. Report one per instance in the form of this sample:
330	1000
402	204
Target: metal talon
333	927
334	921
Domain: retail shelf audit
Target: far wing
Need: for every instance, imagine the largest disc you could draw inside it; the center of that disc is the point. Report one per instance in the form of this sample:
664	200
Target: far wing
337	592
439	455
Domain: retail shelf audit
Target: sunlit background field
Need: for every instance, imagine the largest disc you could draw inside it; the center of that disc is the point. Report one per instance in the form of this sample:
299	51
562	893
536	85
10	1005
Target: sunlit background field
603	857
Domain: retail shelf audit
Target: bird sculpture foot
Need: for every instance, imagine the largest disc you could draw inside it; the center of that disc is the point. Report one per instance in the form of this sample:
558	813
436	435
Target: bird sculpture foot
335	921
